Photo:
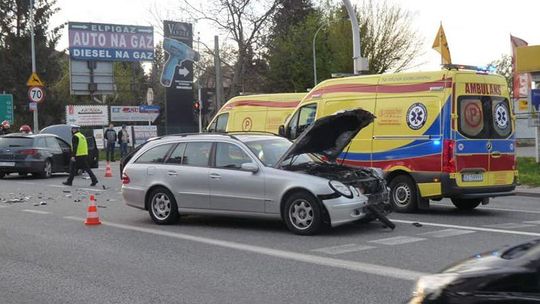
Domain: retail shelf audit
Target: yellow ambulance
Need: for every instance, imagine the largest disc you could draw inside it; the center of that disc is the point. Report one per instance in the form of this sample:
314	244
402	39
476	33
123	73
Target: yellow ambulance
250	113
442	134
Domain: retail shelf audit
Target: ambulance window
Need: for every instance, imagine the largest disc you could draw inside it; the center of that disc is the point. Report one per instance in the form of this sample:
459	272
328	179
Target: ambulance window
471	117
502	123
304	117
221	122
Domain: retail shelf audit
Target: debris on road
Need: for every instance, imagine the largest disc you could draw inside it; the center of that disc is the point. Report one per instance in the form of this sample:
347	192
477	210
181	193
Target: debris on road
416	224
66	191
42	203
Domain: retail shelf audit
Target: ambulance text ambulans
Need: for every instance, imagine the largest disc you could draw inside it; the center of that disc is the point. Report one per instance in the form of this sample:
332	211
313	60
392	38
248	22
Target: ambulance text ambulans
251	113
448	133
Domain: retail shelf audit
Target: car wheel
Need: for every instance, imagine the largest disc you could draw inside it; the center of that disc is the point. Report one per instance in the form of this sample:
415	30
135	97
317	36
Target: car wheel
302	214
466	204
403	194
47	169
162	207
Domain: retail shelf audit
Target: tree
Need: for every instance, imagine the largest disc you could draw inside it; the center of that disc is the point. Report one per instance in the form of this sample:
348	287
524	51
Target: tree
15	57
503	66
246	22
388	41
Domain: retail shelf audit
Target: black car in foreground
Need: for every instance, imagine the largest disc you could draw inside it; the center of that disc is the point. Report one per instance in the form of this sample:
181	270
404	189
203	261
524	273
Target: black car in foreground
510	275
41	154
64	132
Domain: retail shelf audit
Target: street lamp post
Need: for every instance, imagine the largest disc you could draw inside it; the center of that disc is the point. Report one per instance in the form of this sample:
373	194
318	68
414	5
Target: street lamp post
315	54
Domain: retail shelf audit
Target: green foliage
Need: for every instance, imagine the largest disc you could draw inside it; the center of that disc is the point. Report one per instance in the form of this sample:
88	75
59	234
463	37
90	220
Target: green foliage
529	171
503	66
15	58
388	40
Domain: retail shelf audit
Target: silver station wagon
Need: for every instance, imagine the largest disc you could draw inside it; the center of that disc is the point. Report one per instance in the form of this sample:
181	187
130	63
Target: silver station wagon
248	174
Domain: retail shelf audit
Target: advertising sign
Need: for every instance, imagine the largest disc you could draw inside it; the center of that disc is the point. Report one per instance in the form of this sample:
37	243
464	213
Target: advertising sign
6	107
143	133
98	135
535	100
177	75
110	42
134	113
87	115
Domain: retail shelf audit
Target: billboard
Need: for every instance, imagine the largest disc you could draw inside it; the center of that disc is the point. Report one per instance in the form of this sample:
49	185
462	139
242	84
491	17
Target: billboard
110	42
134	113
95	77
142	133
177	75
87	115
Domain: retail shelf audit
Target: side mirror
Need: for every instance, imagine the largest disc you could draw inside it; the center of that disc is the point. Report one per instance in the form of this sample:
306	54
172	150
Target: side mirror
250	167
281	130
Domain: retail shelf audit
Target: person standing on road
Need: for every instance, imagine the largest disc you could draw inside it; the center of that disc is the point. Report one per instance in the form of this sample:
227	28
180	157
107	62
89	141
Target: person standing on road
79	157
110	139
123	140
4	129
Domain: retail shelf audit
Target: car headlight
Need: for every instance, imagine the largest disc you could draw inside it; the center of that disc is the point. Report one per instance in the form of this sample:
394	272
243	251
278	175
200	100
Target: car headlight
378	172
431	286
340	188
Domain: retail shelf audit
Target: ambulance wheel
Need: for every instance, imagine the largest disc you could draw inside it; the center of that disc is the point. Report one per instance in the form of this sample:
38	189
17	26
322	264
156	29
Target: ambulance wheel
403	194
466	204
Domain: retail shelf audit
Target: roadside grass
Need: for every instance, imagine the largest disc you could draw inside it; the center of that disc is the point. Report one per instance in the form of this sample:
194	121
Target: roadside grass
529	171
103	155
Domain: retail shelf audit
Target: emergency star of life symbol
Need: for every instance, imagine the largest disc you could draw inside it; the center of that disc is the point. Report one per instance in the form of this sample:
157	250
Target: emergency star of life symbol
501	116
416	116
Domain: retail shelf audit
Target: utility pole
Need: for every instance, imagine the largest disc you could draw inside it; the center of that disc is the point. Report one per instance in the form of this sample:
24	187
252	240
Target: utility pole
36	123
199	83
219	76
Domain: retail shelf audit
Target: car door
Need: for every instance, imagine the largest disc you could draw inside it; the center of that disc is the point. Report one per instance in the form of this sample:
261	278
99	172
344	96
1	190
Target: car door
232	188
66	152
58	161
187	169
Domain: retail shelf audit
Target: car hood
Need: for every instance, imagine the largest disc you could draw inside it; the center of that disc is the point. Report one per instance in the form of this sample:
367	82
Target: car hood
329	135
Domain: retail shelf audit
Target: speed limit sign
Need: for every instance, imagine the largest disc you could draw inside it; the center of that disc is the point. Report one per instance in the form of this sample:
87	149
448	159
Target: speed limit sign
36	94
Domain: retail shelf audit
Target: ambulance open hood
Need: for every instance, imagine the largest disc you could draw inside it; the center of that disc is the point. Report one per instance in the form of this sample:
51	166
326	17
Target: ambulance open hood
329	135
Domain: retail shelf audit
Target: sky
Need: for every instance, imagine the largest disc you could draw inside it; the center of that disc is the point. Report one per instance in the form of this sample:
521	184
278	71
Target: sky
477	31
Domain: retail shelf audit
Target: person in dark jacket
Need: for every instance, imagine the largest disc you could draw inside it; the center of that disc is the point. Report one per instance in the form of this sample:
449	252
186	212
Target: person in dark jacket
4	129
110	140
79	157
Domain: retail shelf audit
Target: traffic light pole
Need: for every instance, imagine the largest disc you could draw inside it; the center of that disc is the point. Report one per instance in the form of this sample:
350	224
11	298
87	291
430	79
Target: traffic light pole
36	126
199	86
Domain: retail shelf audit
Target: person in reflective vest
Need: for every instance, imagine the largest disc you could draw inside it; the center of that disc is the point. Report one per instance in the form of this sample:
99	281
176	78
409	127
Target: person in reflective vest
79	156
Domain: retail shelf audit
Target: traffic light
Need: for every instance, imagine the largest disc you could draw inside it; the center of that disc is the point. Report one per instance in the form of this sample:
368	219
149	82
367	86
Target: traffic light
196	107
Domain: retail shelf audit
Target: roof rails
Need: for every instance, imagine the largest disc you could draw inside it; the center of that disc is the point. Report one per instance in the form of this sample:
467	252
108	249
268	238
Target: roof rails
253	132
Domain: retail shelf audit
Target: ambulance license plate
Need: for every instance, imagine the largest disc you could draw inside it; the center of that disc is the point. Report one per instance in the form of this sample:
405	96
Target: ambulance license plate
472	177
7	164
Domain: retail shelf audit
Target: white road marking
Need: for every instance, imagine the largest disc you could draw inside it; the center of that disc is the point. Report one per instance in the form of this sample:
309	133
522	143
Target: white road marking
493	208
36	211
57	186
446	233
398	240
509	225
343	249
532	222
91	189
385	271
470	228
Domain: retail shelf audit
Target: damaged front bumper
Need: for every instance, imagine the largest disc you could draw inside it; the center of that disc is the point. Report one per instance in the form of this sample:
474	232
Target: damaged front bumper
343	210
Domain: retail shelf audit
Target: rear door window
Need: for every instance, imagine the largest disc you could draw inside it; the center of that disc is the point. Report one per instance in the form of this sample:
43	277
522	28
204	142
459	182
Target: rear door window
197	154
13	142
155	155
484	117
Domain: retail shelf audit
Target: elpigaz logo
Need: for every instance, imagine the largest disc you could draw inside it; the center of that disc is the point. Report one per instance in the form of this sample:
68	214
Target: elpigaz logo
416	116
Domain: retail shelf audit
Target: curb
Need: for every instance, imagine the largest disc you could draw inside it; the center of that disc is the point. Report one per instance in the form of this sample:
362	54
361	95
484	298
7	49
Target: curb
528	194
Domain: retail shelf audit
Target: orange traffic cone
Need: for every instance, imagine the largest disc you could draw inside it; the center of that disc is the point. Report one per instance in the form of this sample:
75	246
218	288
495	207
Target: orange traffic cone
92	217
108	171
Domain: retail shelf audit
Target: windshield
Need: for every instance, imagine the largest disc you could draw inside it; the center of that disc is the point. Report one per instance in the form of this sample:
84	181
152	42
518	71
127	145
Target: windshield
269	151
484	117
7	142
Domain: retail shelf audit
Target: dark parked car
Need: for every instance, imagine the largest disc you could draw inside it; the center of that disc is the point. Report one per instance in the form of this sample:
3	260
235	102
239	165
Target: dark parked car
64	132
508	275
41	154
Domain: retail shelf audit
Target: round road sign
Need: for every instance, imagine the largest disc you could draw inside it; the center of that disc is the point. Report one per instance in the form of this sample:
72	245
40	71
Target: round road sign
36	94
